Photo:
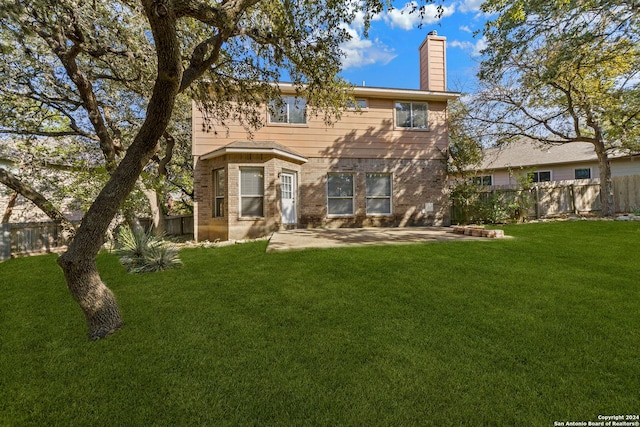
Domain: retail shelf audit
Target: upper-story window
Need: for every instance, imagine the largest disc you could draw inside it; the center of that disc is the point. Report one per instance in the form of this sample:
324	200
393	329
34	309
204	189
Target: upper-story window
358	103
412	115
289	110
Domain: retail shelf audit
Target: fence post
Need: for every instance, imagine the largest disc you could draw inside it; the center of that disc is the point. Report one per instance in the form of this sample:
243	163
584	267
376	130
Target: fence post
5	241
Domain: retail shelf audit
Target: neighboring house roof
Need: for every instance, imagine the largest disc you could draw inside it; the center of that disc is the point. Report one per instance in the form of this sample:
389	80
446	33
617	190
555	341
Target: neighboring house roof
256	147
527	153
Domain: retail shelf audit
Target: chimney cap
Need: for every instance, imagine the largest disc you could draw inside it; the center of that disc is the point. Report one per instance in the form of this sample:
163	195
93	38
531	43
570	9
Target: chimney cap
432	33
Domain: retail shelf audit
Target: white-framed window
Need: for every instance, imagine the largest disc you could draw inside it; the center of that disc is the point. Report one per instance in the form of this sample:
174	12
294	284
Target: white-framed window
483	180
251	192
378	194
582	173
288	110
358	104
540	176
340	191
219	185
412	115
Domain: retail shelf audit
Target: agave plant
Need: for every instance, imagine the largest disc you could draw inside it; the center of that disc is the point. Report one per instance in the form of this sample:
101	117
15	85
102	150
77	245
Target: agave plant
158	258
142	251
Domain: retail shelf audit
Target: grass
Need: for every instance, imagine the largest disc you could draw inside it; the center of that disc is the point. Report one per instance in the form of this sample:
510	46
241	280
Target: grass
527	331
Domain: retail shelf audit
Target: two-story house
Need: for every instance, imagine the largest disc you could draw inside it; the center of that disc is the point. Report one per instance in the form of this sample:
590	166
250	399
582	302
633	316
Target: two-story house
384	165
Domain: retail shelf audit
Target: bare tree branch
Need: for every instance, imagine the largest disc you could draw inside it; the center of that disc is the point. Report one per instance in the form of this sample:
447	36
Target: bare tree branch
13	182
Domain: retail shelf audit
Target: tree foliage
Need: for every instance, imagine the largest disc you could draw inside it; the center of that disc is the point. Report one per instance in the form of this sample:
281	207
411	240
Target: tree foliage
90	97
111	73
562	72
465	150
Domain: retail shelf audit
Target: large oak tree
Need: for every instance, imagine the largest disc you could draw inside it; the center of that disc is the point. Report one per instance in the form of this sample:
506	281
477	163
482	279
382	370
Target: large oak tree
560	72
110	73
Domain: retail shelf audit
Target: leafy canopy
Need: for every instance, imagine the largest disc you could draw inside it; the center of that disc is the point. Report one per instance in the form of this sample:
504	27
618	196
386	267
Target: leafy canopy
563	71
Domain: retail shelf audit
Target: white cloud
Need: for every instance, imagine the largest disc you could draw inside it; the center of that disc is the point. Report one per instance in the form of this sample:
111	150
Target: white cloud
466	29
474	49
409	17
358	22
470	5
360	52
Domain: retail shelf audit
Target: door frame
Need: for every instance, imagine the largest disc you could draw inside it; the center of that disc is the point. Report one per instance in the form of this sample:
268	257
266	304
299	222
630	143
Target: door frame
294	194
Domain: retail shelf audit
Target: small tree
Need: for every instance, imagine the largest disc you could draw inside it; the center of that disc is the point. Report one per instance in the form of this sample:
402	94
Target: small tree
465	155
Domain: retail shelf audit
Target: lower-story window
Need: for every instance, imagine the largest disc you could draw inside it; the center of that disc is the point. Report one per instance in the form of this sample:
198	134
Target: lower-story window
583	173
219	184
540	176
251	192
340	194
378	194
483	180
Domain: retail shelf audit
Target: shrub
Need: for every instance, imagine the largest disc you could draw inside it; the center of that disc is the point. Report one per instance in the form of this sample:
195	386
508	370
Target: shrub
141	251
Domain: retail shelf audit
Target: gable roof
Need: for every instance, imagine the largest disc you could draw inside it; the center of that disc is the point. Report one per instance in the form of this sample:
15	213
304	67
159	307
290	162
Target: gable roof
527	153
256	147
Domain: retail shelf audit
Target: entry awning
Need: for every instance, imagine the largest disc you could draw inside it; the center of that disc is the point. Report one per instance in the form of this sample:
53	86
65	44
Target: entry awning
256	147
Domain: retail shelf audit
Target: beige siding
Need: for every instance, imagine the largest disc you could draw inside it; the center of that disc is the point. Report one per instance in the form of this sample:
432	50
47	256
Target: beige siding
368	134
624	167
619	167
360	143
499	177
433	64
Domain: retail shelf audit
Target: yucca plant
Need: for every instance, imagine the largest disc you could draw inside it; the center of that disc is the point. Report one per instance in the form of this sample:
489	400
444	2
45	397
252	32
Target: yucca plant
158	258
141	251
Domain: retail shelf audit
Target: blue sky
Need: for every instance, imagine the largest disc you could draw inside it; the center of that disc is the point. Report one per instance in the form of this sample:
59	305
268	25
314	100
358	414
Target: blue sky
388	57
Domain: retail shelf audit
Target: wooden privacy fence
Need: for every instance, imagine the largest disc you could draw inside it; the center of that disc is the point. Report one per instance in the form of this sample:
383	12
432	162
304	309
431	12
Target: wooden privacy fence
42	237
179	225
30	237
626	193
556	198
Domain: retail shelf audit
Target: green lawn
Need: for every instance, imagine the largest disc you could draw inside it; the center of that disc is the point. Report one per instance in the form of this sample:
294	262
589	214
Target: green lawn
526	331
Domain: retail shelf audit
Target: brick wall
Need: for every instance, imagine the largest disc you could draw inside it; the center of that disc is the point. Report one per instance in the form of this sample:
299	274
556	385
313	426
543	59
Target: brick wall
415	183
231	225
418	196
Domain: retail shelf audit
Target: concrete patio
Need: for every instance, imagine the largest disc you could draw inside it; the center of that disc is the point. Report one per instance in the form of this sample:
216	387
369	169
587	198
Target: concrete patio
341	237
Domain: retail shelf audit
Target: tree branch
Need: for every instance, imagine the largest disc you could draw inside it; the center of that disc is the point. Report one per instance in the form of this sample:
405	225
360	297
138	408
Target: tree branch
13	182
68	55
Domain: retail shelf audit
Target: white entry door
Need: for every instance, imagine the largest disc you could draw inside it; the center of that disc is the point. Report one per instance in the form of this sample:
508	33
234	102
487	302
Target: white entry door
288	186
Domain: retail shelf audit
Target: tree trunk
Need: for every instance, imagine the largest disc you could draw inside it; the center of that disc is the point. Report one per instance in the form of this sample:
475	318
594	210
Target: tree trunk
606	184
95	299
79	261
157	215
133	222
9	209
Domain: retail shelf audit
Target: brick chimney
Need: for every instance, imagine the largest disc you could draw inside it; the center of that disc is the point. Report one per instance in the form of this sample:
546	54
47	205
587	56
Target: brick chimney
433	66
